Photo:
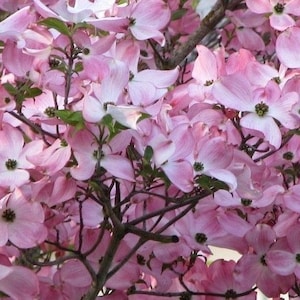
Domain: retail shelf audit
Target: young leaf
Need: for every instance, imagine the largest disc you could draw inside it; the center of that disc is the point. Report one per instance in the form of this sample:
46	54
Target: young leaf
73	118
178	14
32	92
10	88
56	24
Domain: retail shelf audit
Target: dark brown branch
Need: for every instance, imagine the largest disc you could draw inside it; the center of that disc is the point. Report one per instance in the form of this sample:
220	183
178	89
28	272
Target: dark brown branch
207	25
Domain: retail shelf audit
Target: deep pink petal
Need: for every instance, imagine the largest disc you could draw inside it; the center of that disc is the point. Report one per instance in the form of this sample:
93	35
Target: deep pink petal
74	273
281	262
20	283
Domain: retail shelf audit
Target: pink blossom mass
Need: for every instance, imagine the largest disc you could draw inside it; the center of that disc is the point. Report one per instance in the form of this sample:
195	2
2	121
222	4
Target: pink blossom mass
141	141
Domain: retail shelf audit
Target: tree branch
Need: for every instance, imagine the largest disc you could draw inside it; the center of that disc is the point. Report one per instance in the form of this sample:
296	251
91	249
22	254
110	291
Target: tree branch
216	14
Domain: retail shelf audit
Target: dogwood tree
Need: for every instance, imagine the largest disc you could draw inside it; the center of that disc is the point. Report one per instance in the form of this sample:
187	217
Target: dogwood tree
136	135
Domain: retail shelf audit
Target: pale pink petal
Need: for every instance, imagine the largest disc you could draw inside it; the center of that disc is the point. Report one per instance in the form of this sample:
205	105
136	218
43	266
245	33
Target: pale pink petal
281	21
63	190
260	238
288	47
114	24
226	199
184	142
93	110
44	10
205	67
92	213
250	40
74	273
291	198
292	7
260	74
281	262
175	170
14	178
25	234
214	154
147	12
282	110
3	233
235	92
125	115
141	93
15	60
163	149
223	175
293	239
113	85
85	168
233	223
144	32
20	284
266	125
259	6
159	78
16	23
118	166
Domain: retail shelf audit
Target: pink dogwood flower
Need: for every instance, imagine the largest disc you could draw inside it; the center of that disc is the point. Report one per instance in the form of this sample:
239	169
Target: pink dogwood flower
18	283
262	105
14	164
285	260
278	11
21	221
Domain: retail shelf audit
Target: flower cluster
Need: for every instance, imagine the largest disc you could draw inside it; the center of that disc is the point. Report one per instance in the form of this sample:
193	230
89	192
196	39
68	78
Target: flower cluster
137	135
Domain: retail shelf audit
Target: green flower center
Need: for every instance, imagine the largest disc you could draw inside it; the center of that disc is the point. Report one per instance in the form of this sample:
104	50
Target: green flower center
288	155
208	82
277	79
279	8
261	109
263	260
50	112
11	164
8	215
200	238
298	257
63	143
230	294
198	166
86	51
246	202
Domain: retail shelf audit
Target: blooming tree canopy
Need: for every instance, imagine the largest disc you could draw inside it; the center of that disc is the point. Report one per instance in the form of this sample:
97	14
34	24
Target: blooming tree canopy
136	136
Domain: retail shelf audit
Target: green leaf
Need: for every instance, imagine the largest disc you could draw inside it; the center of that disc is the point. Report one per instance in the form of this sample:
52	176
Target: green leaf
148	153
32	92
195	3
113	126
211	184
78	67
143	117
73	118
10	89
57	24
82	25
178	14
